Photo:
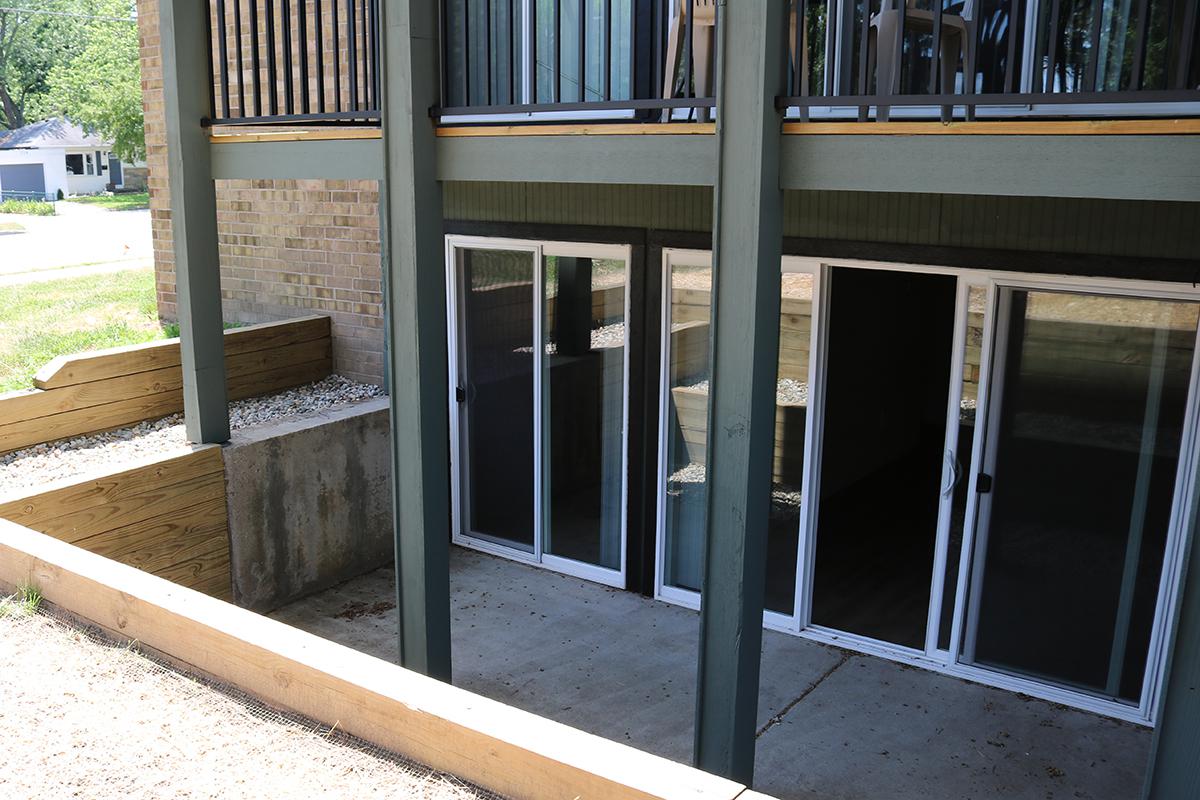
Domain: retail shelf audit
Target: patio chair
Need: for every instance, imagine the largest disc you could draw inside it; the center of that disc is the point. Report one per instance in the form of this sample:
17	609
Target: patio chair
885	50
704	24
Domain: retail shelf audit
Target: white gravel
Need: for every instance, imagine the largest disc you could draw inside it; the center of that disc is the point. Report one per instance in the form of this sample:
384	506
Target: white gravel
788	391
43	463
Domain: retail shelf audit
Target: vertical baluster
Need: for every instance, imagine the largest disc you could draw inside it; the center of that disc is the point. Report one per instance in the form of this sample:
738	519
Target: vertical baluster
688	90
256	79
352	56
319	23
376	82
582	50
864	82
466	51
1015	27
511	63
606	50
223	49
1094	54
1052	47
241	74
1139	52
289	79
487	52
1187	42
557	51
533	52
897	86
272	62
337	57
302	22
364	55
212	65
935	55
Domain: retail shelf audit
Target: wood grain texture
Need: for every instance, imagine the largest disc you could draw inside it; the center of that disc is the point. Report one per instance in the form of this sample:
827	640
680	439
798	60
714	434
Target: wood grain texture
508	751
1106	127
94	392
167	517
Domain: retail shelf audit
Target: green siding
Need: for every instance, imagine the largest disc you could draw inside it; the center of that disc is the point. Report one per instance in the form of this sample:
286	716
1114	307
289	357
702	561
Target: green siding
1152	229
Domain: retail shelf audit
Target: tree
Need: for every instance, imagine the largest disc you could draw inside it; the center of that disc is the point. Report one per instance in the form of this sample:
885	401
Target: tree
100	87
31	43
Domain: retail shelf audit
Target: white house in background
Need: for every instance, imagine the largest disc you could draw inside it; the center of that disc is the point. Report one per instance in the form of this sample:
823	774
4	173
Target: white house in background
52	156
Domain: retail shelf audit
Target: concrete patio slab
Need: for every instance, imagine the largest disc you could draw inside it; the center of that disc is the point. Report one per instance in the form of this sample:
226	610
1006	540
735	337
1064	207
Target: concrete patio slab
832	724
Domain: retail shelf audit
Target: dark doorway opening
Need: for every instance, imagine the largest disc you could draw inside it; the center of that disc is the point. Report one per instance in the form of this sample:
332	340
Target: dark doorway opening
890	337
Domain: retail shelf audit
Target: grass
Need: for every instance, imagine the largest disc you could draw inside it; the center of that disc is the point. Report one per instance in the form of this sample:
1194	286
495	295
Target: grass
39	321
125	201
38	208
24	603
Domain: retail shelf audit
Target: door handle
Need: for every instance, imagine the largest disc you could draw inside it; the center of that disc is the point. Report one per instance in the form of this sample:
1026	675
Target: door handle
460	394
983	483
955	472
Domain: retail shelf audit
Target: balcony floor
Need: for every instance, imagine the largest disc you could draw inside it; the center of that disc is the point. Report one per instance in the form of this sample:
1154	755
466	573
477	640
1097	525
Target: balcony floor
832	724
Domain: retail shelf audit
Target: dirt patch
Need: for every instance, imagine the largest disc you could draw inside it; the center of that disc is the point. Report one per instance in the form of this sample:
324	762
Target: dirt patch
81	717
359	609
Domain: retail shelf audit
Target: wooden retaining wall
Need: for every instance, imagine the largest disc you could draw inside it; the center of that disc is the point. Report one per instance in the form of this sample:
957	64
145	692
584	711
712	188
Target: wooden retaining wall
165	515
93	392
500	748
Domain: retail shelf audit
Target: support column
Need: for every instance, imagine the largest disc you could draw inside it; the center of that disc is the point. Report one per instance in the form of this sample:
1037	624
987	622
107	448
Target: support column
415	276
747	242
1174	769
193	196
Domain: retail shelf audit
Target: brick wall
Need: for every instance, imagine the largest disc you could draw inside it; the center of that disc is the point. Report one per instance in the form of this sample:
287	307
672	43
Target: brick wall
287	248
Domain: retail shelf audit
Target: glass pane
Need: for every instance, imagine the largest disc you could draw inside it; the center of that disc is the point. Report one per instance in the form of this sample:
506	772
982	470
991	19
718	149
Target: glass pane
583	408
1090	395
791	418
976	308
565	47
687	355
890	337
498	358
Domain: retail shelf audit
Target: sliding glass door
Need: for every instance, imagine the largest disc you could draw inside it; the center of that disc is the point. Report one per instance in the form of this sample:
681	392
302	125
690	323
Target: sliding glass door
982	473
539	349
1078	487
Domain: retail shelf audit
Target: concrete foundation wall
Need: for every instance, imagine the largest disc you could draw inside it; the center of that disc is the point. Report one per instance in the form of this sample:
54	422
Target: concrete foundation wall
309	503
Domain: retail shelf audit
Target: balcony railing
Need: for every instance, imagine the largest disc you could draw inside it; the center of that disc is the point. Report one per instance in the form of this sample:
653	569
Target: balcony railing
939	56
316	61
294	61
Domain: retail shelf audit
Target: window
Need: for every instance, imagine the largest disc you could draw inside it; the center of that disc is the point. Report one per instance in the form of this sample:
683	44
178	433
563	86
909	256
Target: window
74	163
89	165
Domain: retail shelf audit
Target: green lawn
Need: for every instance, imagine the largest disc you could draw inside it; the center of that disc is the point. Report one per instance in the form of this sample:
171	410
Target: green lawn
39	321
38	208
116	202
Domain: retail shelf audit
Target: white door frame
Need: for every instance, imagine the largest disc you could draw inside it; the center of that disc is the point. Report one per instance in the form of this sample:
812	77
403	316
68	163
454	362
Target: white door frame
931	657
459	485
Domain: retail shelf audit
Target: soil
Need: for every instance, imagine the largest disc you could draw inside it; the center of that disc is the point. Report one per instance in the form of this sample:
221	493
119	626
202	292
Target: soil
84	717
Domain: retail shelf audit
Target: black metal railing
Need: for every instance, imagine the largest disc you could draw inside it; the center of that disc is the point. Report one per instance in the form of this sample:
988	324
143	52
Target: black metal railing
316	61
294	61
936	57
641	59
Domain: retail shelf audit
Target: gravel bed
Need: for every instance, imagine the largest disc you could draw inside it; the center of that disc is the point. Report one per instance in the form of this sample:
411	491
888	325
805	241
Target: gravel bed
42	463
603	337
788	391
85	717
785	500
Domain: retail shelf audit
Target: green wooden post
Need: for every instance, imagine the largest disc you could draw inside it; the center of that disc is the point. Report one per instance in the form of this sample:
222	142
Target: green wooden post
747	243
1174	770
415	275
194	219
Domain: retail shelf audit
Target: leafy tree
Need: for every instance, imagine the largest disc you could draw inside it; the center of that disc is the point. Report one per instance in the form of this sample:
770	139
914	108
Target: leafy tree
100	86
30	45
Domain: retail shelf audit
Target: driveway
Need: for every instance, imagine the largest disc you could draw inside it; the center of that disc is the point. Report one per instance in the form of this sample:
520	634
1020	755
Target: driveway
77	235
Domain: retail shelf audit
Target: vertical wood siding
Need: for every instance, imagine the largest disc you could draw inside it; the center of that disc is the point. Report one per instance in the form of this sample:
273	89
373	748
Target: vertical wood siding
1040	224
